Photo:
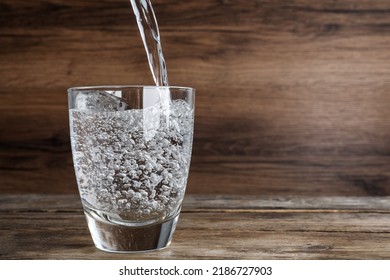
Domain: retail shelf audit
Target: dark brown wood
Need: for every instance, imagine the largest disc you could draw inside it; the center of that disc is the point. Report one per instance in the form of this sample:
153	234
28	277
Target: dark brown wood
292	96
210	227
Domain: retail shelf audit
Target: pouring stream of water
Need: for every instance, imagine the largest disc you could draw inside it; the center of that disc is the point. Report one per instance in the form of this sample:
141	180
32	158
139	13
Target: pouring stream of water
150	34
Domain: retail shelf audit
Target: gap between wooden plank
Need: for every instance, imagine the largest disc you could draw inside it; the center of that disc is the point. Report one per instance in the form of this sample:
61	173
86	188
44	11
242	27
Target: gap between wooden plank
207	210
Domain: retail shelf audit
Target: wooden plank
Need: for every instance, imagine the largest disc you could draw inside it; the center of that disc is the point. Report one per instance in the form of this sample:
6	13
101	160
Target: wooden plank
72	203
310	221
43	227
252	203
258	240
291	96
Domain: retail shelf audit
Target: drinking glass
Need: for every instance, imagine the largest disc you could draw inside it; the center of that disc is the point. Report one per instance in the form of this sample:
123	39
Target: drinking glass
131	148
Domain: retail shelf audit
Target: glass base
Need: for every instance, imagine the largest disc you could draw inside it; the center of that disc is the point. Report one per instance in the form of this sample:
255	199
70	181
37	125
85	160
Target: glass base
119	238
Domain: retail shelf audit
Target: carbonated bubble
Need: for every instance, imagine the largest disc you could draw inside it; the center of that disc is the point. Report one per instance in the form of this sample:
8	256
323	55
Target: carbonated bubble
128	167
100	101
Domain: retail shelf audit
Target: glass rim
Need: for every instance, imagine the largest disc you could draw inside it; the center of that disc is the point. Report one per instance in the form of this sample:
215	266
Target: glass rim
82	88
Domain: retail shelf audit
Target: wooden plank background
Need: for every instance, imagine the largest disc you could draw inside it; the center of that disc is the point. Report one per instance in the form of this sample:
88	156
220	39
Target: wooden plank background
293	97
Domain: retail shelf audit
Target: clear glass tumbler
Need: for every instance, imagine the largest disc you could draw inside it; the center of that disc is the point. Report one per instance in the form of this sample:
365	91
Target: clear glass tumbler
131	149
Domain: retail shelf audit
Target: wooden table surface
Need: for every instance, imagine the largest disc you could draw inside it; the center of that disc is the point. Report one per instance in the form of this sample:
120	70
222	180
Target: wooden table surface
210	227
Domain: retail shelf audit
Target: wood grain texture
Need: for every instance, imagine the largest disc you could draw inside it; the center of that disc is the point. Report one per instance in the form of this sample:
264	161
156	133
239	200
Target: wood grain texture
210	227
292	96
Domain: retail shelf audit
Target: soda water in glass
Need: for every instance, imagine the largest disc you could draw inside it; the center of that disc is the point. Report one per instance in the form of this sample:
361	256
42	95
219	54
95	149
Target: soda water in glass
131	148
